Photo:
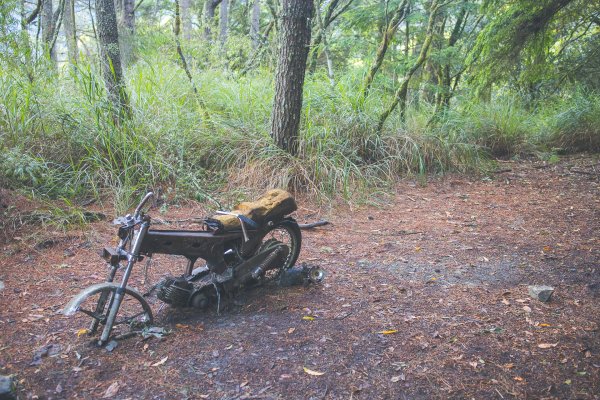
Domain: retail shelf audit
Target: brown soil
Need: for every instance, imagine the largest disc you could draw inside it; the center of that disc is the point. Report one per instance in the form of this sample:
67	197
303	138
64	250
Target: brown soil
444	268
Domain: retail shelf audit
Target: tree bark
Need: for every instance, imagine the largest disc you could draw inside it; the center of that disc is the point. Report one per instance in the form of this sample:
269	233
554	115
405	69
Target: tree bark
186	19
208	16
329	16
291	67
71	31
110	55
386	38
127	29
401	93
255	24
47	24
223	21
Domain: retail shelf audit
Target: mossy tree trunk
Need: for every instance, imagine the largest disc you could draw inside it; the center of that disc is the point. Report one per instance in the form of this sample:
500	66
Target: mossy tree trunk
110	55
386	39
71	31
402	92
295	26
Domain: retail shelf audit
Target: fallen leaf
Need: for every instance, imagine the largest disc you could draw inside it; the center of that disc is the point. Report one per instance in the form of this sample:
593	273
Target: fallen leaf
527	309
417	248
314	373
291	330
308	318
161	362
518	378
111	391
83	331
505	301
398	378
545	325
388	332
509	365
473	364
547	345
181	326
568	382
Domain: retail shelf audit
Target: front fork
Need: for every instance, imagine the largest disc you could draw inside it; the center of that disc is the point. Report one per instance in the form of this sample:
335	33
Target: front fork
115	303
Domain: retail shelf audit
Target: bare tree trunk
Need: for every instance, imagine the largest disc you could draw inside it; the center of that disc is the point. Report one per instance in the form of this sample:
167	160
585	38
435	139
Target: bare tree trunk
47	24
71	31
387	36
208	16
329	16
401	93
127	30
186	19
291	67
223	21
255	24
110	55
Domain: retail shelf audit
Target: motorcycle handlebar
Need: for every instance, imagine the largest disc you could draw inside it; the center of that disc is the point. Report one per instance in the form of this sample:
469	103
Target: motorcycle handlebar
138	209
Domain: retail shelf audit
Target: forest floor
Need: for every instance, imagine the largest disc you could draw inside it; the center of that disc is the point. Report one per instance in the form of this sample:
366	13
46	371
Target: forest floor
442	269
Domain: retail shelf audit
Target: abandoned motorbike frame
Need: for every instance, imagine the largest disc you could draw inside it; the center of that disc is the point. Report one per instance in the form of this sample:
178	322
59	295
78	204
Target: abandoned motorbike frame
252	253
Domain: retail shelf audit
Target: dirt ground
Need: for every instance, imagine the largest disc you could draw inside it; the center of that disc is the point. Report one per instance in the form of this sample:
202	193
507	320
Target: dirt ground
425	298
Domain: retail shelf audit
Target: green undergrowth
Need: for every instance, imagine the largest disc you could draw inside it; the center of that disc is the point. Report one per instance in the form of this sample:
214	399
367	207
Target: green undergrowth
59	139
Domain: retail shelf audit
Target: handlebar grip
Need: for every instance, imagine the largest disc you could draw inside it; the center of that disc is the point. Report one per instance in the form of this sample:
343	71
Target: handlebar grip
142	203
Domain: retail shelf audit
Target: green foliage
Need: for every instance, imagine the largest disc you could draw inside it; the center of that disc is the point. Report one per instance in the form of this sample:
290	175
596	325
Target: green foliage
59	140
577	127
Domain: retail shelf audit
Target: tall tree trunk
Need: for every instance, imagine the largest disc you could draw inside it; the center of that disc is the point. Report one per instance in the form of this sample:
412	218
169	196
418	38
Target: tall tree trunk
329	16
71	31
291	66
47	23
208	15
255	24
186	19
386	38
127	30
223	21
402	92
110	55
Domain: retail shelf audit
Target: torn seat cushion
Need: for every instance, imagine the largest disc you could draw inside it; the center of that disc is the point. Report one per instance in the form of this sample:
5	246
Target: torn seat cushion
272	205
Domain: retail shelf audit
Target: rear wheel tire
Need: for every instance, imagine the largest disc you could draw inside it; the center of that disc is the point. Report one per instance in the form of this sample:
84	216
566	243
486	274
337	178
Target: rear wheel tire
286	232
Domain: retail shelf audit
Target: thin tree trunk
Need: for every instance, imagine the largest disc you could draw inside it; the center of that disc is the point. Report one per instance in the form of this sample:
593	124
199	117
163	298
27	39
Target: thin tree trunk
329	16
71	31
223	21
177	31
186	19
127	30
255	24
47	24
325	47
110	56
401	93
291	67
208	16
386	38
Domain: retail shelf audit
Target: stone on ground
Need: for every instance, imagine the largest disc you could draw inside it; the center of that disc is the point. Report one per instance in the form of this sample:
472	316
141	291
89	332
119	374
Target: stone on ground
541	293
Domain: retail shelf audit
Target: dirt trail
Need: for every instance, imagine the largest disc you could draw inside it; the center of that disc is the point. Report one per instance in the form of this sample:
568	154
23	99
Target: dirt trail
444	267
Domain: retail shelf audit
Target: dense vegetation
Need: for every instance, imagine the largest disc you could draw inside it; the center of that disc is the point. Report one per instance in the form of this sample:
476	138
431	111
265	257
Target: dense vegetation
392	87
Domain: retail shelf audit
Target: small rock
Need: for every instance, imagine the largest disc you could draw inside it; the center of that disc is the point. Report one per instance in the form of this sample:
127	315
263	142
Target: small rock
110	346
7	388
541	293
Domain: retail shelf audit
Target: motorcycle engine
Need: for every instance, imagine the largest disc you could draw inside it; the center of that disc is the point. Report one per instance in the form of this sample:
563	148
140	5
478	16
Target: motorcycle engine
175	291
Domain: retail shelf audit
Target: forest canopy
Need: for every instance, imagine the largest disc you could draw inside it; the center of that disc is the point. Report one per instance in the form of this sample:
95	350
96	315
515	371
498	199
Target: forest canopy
111	97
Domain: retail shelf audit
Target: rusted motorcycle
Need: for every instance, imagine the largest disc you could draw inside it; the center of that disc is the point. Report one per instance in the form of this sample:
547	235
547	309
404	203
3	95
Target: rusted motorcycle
254	242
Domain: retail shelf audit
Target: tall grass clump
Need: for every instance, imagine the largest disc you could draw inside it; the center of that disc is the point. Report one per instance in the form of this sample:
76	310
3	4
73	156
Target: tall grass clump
576	124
